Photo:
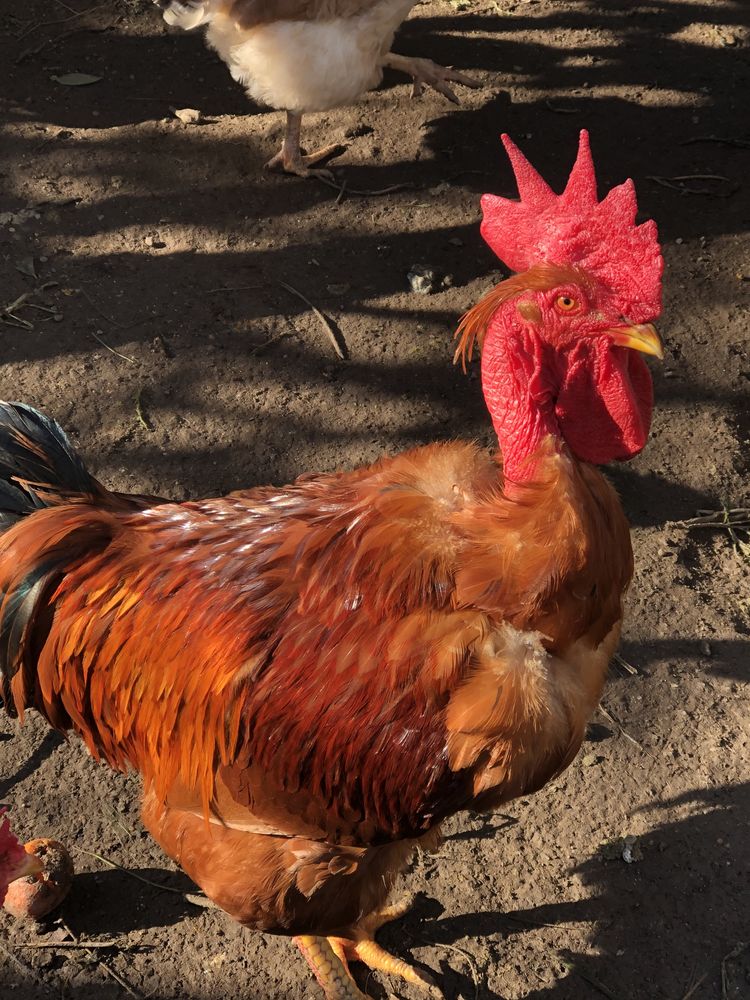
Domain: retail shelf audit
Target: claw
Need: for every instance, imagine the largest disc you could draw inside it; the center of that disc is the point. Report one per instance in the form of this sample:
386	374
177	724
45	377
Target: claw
291	159
362	947
332	974
425	72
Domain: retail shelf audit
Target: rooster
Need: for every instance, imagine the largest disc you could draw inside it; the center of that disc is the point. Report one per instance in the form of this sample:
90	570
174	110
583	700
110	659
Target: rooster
311	678
308	55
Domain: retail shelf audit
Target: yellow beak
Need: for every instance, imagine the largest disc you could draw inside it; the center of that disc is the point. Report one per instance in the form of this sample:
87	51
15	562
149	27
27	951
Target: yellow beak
642	337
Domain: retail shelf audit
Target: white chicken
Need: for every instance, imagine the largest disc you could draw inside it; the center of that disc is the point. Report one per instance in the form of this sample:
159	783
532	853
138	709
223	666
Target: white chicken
308	55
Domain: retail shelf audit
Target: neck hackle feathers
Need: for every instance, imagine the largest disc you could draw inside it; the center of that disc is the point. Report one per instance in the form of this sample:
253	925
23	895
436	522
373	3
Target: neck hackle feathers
575	229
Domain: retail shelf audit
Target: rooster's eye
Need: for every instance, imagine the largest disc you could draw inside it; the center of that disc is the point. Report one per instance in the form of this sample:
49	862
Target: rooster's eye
566	303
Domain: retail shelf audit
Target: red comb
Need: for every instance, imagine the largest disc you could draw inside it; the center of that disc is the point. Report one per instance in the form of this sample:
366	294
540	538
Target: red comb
574	228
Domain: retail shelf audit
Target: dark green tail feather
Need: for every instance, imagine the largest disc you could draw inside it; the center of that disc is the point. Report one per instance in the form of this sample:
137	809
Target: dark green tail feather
38	464
39	467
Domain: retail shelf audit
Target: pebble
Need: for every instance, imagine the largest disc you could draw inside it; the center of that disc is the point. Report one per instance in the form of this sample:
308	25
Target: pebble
426	280
190	116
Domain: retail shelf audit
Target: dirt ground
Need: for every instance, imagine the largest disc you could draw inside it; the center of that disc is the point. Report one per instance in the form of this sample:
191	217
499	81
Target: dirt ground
182	366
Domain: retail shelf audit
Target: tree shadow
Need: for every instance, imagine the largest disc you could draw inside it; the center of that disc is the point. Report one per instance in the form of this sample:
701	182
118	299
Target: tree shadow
666	920
51	741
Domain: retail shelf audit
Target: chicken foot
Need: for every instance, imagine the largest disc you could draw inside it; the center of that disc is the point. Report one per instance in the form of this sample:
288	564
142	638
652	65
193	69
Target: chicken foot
425	71
291	158
332	974
329	957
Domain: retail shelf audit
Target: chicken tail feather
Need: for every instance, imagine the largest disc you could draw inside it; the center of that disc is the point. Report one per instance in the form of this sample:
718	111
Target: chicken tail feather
39	467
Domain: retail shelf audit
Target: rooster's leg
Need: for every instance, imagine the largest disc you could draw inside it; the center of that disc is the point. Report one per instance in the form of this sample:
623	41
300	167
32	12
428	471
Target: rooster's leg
362	947
331	972
290	157
425	71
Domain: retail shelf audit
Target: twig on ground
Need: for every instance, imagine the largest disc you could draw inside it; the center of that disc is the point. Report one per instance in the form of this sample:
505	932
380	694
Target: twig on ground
729	519
101	312
63	20
451	947
53	945
8	313
678	184
627	667
469	961
610	718
722	140
51	42
111	349
695	986
260	348
230	288
115	322
146	881
103	965
339	345
139	412
364	193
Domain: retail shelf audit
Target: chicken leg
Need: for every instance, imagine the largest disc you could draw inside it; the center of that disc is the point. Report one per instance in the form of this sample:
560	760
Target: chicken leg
329	957
425	71
290	157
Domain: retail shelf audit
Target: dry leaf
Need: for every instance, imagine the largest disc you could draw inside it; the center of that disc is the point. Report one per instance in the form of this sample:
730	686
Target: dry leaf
26	266
76	79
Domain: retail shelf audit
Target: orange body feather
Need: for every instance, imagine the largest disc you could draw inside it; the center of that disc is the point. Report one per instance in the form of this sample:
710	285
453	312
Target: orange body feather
325	671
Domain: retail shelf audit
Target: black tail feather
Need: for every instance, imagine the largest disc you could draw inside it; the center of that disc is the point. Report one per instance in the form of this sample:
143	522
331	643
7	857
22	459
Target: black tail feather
39	466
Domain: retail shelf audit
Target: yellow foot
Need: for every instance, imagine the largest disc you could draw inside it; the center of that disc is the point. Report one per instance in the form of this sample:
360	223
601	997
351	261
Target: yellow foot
332	974
295	162
362	947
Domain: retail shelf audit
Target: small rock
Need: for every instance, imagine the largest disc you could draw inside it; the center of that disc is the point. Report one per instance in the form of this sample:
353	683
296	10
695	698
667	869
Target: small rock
630	850
589	759
337	289
190	116
423	280
705	648
455	241
426	280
